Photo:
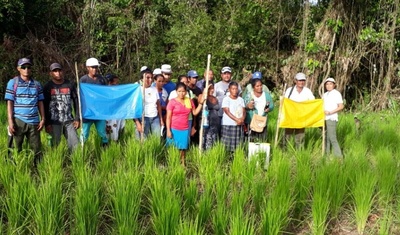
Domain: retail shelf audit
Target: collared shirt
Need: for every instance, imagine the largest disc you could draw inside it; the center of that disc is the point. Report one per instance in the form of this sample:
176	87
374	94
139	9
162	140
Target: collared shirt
331	101
26	97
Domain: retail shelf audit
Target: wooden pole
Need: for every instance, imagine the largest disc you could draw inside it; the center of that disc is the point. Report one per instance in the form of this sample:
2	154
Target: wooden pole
323	138
205	94
279	114
79	106
143	104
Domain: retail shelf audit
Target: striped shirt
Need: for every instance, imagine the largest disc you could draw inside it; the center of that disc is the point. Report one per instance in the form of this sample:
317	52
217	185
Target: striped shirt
26	97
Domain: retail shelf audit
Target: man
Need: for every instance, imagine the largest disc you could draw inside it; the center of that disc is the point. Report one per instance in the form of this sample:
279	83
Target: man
167	73
192	80
249	88
93	77
24	98
221	87
202	83
298	93
60	99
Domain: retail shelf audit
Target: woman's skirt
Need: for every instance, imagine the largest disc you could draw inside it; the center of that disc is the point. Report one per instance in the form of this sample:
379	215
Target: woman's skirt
232	137
180	139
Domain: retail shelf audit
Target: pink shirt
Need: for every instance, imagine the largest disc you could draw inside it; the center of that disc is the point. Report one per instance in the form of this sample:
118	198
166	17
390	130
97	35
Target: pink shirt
180	114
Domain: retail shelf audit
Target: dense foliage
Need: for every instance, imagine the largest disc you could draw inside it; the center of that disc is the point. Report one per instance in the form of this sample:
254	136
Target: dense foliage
357	42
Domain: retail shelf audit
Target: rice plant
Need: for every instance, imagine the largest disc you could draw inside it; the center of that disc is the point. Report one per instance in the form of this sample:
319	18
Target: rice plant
387	173
279	202
302	183
363	196
164	205
86	198
321	198
126	192
190	227
49	204
19	194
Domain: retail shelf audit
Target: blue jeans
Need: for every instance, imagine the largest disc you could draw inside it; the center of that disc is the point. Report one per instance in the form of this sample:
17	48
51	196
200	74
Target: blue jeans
151	126
100	127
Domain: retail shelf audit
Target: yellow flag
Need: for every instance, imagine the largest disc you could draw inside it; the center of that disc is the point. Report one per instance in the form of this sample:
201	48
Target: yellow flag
308	113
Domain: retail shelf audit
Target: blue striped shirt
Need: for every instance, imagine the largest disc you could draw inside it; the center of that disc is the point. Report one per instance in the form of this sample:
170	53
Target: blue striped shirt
26	98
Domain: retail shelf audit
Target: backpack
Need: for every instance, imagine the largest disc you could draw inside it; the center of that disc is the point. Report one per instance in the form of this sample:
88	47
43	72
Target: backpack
16	81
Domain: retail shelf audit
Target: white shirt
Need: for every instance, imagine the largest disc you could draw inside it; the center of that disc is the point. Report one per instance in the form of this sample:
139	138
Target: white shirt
235	107
332	99
150	102
259	103
221	90
304	95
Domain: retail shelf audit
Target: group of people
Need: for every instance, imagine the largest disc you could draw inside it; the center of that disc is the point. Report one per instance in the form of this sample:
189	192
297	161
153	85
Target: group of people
173	111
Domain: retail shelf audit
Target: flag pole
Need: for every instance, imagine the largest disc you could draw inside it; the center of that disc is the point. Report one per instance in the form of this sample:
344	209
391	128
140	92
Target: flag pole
79	107
143	108
279	115
323	138
205	94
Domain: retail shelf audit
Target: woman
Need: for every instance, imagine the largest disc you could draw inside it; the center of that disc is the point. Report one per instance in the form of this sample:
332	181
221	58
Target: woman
152	109
233	118
162	93
258	102
333	103
178	110
211	133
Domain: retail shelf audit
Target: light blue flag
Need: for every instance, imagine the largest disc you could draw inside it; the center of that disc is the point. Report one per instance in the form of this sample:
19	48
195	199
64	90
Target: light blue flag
111	102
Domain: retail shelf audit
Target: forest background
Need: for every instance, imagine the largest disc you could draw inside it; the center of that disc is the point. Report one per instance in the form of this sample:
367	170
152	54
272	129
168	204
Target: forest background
354	41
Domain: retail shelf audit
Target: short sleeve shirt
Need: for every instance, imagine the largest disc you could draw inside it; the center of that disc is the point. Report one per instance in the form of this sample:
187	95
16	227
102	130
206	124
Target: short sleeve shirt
304	95
331	101
26	96
180	113
235	107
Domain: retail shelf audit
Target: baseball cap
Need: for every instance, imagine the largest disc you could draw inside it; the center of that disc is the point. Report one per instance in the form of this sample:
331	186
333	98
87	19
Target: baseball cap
192	74
166	68
23	61
257	75
54	66
92	62
330	80
226	69
300	77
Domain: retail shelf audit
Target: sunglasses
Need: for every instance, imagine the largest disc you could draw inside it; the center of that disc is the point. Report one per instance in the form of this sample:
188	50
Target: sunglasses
94	67
25	67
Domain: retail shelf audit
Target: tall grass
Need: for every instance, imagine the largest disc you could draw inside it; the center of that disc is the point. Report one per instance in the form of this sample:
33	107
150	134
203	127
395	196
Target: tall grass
387	172
302	183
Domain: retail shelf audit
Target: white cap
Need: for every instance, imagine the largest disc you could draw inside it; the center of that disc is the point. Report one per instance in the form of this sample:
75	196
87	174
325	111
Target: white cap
330	80
157	71
166	68
143	68
226	69
300	76
92	62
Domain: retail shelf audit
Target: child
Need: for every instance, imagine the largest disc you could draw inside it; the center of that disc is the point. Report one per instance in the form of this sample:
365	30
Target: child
233	118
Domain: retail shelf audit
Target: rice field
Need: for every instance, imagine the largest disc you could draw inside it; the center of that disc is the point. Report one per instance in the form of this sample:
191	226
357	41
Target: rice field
141	188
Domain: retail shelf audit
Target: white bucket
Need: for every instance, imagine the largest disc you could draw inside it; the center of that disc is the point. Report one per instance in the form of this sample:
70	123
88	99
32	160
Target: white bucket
255	148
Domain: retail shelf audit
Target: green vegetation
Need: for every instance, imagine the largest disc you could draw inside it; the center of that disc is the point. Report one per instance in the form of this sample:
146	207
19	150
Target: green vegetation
134	188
